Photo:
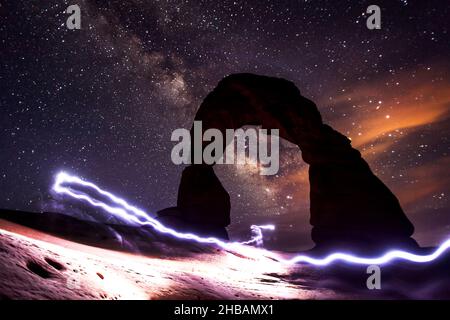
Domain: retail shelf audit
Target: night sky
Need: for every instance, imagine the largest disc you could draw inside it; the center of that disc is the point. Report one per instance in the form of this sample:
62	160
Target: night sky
102	102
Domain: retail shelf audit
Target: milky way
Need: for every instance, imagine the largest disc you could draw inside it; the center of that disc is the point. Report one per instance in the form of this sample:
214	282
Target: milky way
101	102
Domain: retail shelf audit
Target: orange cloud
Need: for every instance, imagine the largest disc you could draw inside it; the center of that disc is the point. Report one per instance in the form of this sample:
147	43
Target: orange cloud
412	103
425	181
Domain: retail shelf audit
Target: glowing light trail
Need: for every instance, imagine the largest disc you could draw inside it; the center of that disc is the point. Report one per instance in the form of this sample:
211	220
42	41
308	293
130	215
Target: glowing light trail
122	212
133	215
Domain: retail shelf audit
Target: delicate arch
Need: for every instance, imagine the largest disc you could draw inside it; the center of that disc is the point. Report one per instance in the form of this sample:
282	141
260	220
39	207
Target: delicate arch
348	203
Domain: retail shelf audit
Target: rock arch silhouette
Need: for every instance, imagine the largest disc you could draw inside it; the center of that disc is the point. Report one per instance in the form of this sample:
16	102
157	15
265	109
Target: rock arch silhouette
349	205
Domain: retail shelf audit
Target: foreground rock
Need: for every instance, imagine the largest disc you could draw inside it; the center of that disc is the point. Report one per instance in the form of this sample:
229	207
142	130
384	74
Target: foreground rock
36	265
39	266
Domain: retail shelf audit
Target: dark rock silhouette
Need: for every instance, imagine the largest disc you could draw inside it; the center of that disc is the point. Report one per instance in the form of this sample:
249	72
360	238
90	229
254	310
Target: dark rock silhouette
203	204
350	206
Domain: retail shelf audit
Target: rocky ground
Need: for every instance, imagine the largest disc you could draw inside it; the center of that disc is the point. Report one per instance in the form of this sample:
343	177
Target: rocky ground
37	265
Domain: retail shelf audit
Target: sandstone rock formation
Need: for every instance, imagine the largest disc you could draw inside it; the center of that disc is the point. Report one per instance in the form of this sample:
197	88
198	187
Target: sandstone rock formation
349	205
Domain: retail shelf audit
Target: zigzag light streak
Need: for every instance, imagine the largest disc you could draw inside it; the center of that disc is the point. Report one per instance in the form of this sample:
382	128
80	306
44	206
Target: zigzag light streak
133	215
122	212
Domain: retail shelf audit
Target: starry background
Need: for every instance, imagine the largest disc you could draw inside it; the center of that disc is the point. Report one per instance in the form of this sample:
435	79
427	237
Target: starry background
101	102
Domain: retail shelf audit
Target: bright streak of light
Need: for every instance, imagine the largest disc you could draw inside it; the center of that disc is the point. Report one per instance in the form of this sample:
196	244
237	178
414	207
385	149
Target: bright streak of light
139	217
387	257
133	215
